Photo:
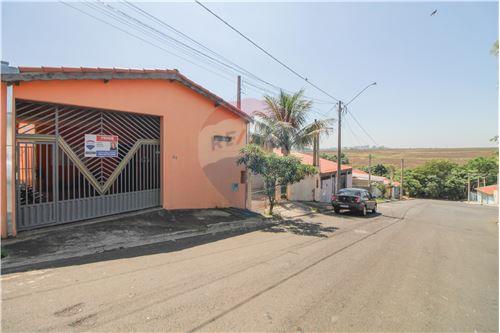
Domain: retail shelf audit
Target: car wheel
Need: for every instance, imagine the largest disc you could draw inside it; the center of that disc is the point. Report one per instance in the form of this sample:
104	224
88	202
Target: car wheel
336	210
374	210
363	210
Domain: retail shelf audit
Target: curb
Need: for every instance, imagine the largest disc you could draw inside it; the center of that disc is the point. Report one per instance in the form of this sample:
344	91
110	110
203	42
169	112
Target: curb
211	229
38	232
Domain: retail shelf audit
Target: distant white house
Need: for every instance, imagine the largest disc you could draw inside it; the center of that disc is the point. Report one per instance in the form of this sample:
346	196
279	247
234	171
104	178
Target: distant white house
488	195
318	187
321	186
360	179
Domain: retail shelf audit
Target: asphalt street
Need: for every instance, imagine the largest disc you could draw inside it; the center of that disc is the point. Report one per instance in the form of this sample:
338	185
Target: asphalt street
419	265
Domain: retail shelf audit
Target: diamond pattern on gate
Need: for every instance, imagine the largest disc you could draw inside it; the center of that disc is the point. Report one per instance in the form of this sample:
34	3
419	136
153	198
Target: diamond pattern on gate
74	122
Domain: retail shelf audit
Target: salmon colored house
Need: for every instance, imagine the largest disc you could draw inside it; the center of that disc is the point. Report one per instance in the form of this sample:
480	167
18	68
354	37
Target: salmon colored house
80	143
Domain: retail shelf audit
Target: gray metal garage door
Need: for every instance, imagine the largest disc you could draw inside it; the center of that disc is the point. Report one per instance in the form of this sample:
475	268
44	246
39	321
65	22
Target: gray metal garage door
55	181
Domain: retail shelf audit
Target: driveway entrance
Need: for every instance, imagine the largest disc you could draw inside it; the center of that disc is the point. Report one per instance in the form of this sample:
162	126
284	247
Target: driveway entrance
59	176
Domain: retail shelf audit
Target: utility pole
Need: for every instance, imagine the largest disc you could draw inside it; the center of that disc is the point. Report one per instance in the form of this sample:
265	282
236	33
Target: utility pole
316	148
468	188
316	164
477	189
339	149
238	93
401	189
392	182
339	129
370	172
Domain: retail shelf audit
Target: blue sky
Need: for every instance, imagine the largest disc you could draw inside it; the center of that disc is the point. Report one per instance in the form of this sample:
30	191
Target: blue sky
437	82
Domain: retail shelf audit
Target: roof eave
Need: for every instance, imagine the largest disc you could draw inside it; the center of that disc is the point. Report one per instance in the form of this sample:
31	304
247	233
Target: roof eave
113	75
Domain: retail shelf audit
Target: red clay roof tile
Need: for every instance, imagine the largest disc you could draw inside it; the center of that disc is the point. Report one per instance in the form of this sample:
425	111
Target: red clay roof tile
71	69
121	70
191	84
490	189
51	69
326	166
89	70
30	69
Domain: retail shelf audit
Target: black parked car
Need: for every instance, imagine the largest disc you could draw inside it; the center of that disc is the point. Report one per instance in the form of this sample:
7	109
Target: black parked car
354	199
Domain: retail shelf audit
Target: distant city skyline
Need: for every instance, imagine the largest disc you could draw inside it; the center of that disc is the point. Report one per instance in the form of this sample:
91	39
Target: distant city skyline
437	83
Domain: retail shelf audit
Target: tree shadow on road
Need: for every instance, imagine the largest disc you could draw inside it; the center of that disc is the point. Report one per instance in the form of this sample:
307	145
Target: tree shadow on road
131	252
299	227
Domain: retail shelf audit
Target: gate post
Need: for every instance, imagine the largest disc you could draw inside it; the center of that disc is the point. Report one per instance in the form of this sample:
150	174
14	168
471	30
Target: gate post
8	189
3	161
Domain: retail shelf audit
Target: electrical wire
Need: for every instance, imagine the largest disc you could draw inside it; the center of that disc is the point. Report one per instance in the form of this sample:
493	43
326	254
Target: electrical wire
123	17
139	26
171	28
143	40
352	132
285	65
233	66
266	52
360	126
157	35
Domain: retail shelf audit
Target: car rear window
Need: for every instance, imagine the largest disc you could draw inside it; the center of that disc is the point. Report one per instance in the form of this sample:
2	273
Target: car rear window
350	192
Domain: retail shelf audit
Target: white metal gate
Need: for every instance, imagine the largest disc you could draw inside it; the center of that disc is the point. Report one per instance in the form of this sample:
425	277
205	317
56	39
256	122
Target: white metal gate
327	186
56	183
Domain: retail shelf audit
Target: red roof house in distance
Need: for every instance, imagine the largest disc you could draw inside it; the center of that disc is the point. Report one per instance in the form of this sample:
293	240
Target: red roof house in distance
360	179
319	187
327	167
488	195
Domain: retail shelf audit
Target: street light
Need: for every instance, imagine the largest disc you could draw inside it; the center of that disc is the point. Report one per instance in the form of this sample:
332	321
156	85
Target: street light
339	143
368	86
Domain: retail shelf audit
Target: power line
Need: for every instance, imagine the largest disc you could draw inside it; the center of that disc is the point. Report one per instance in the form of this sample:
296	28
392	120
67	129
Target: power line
289	68
360	126
233	66
187	49
265	51
143	28
318	112
286	66
143	39
352	132
168	26
160	36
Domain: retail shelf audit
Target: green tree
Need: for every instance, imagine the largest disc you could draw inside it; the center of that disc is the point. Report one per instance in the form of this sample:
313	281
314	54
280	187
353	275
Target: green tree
484	167
436	179
333	157
275	170
283	124
494	49
456	184
412	186
380	169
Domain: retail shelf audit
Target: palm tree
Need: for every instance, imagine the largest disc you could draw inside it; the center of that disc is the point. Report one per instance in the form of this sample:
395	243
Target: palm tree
282	124
494	49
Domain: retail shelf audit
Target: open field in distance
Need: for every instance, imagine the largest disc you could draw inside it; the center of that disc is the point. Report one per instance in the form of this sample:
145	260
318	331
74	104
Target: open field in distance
414	156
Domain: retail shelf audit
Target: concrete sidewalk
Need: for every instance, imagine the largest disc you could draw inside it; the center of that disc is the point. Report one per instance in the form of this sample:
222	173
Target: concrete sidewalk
155	226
